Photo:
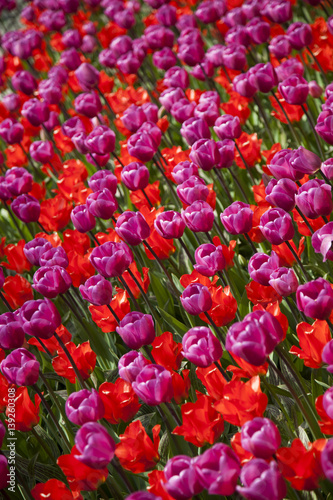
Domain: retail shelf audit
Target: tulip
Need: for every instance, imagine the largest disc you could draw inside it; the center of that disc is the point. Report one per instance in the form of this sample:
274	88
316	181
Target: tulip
242	85
198	217
314	199
234	57
191	54
315	299
299	35
35	248
228	127
129	63
169	96
176	77
210	11
101	140
277	11
135	176
237	218
82	219
142	146
20	367
12	132
260	437
107	58
102	204
154	385
166	15
158	37
132	227
182	110
88	76
218	469
258	30
111	259
103	179
294	89
11	102
50	91
315	90
255	337
97	290
84	406
196	299
182	481
164	59
133	117
261	266
142	495
95	446
136	329
183	171
41	151
11	331
88	104
23	81
327	168
259	476
205	154
201	347
324	126
50	281
280	166
72	38
327	356
280	46
207	110
227	153
284	281
263	77
281	193
215	55
169	225
237	35
36	112
19	180
26	208
326	459
288	68
209	259
131	364
322	240
194	129
276	226
192	189
55	256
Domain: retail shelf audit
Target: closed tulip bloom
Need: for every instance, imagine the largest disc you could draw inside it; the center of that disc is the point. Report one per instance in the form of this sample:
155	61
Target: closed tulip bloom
41	151
11	331
263	77
82	219
35	248
261	267
183	171
276	226
26	208
136	329
72	38
209	259
111	259
258	30
322	241
176	77
98	160
151	111
36	112
227	153
315	299
107	58
294	89
129	63
135	176
164	59
327	356
234	57
205	154
281	193
210	11
131	364
97	290
158	37
280	46
314	198
79	141
262	480
55	256
194	129
208	111
191	54
20	367
142	146
153	131
102	204
196	299
182	110
277	11
242	85
133	117
169	96
315	90
192	190
132	227
218	469
11	102
299	35
237	218
19	180
228	127
73	126
201	347
50	91
24	82
326	459
288	68
103	179
237	35
324	126
255	337
154	385
11	131
95	446
305	161
58	74
182	481
101	140
198	217
169	225
215	55
284	281
84	406
280	166
235	17
260	437
88	104
328	402
50	281
88	76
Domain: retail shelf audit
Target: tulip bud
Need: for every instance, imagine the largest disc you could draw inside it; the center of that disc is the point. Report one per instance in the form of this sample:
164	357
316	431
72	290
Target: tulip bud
35	248
26	208
276	226
257	473
192	189
142	146
132	227
19	180
82	219
260	437
169	225
294	89
284	281
41	151
154	385
322	241
102	204
314	199
196	299
228	127
237	218
327	356
280	46
131	364
111	259
326	459
299	35
11	331
55	256
194	129
205	153
315	299
88	76
36	112
84	406
88	104
281	193
183	171
101	140
50	281
20	367
261	267
201	347
136	329
95	445
135	176
176	77
23	81
198	217
182	481
209	259
103	179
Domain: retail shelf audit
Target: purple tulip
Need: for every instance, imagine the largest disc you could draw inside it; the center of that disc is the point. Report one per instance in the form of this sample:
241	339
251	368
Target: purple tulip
158	37
210	11
82	219
280	166
102	204
55	256
183	110
26	208
97	290
136	329
234	57
281	193
107	58
263	77
176	77
95	445
242	85
315	89
24	82
215	55
191	53
227	153
131	364
35	248
11	331
194	129
205	154
315	299
201	347
235	17
294	89
276	226
111	259
327	356
11	102
50	281
133	117
261	267
326	459
135	176
237	218
277	11
192	189
72	38
328	402
41	151
208	111
129	63
20	367
103	179
142	146
11	131
36	112
284	281
50	91
262	481
40	318
142	495
87	76
164	59
84	406
169	225
324	126
260	437
288	68
198	217
218	469
132	227
299	35
183	171
237	35
258	30
322	240
101	140
255	337
182	481
280	46
228	127
209	259
19	180
87	104
196	299
314	199
154	385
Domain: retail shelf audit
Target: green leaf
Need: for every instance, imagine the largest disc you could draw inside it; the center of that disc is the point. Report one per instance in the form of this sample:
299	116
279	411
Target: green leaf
173	322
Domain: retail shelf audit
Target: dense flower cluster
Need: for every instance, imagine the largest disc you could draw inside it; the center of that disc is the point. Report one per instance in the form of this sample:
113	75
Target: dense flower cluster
166	295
